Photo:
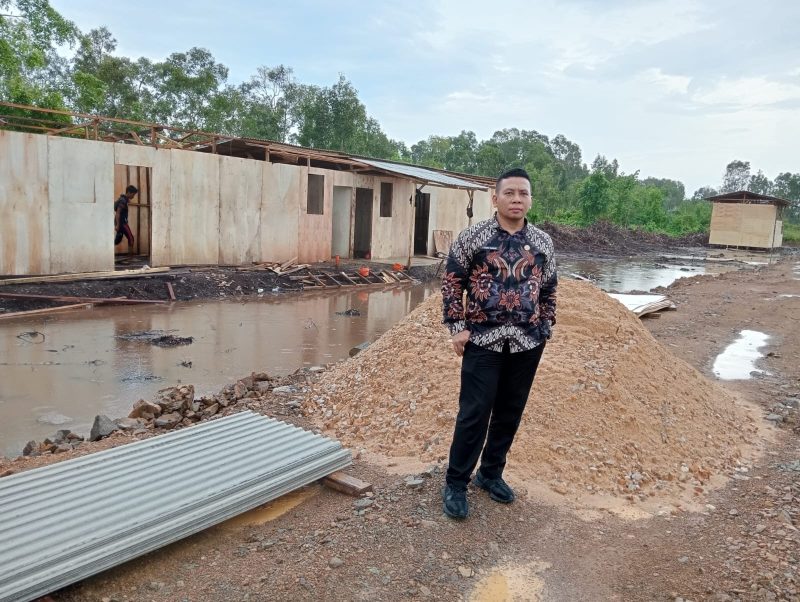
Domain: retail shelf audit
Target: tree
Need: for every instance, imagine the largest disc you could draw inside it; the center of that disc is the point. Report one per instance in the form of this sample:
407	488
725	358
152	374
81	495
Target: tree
737	176
270	99
704	192
673	191
594	197
608	169
30	33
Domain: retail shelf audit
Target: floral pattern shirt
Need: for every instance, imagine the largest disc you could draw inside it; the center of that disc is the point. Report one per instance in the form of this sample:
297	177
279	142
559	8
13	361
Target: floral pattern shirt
510	283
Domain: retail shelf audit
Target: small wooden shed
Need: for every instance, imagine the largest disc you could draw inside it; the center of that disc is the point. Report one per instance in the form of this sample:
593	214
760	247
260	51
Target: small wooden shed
747	219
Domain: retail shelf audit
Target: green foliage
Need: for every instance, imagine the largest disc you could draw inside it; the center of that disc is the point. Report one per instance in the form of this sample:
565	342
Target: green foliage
791	233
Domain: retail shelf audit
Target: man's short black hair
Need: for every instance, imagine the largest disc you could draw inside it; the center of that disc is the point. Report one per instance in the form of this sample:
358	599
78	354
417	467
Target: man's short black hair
131	189
516	172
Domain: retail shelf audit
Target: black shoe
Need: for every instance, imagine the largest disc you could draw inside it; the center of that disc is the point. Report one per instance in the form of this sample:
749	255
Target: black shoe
455	502
498	489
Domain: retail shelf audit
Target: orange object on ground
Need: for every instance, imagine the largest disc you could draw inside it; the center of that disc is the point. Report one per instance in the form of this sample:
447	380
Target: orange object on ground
397	267
364	271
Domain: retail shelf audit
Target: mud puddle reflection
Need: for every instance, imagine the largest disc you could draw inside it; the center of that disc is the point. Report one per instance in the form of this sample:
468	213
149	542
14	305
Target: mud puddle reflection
624	276
62	371
738	361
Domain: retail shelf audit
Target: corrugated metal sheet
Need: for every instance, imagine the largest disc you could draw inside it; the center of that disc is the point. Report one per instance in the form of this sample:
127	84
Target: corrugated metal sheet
64	522
423	175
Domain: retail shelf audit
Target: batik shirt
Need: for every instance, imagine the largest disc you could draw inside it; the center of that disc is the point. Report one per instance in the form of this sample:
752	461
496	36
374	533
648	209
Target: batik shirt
510	282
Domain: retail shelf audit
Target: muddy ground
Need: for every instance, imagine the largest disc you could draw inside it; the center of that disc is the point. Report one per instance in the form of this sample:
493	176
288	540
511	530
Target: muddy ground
744	546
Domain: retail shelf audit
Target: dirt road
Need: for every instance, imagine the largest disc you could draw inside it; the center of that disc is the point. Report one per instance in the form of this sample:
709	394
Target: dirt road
397	545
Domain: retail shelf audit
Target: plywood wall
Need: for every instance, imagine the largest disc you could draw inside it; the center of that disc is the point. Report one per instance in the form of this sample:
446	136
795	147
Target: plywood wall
81	192
194	208
240	193
280	211
24	204
57	195
743	225
315	231
391	236
449	210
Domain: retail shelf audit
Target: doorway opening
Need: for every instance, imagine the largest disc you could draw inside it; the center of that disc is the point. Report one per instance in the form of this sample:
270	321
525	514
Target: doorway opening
362	236
421	222
139	216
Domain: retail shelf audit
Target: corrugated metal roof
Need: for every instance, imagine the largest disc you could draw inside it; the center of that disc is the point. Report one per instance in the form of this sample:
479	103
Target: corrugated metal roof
745	196
428	176
64	522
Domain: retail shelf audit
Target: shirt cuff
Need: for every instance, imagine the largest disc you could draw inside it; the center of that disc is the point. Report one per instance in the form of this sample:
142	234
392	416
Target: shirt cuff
457	326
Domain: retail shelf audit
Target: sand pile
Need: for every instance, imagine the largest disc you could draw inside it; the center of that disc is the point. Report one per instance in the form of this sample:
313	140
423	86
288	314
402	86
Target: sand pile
611	411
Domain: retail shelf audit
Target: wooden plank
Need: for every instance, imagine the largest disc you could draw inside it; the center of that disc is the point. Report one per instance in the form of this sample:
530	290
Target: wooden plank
345	483
85	276
95	300
350	280
171	291
296	268
48	310
286	264
318	281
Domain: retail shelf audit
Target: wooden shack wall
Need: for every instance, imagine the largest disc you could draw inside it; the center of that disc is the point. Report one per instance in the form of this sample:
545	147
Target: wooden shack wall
280	211
81	192
24	204
743	225
240	193
448	210
57	194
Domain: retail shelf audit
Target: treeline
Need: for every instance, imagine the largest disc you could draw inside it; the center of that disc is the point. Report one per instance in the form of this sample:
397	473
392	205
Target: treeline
191	90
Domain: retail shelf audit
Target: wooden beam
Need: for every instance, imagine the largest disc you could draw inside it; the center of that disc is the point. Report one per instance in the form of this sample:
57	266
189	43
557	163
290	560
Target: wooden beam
95	300
85	276
345	483
48	310
171	291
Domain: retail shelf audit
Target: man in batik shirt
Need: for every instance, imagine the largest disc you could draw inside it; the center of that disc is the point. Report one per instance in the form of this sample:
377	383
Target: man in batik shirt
507	269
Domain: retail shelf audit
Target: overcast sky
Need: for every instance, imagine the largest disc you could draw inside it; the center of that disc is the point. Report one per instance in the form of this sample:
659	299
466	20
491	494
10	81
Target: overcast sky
673	88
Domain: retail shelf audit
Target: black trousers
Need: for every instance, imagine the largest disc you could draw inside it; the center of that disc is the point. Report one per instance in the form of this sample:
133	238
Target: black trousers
494	391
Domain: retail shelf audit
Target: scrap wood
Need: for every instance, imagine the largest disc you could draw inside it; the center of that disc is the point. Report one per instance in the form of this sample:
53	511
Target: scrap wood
285	265
86	276
294	269
48	310
350	280
347	484
95	300
171	291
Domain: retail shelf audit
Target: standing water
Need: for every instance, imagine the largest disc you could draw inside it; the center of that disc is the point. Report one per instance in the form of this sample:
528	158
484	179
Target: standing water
738	360
61	371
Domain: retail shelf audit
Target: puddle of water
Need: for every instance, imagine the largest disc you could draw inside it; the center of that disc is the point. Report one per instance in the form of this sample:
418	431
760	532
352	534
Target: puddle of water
738	360
624	275
76	365
512	583
274	509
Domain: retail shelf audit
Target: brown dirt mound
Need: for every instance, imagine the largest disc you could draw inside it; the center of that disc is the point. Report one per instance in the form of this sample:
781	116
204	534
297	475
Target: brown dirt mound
605	237
611	411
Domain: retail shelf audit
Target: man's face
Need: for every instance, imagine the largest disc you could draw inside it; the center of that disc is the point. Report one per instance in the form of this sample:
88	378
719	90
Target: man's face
130	195
513	199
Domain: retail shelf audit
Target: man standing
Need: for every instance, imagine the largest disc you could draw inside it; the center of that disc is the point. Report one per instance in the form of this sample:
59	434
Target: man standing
121	227
507	268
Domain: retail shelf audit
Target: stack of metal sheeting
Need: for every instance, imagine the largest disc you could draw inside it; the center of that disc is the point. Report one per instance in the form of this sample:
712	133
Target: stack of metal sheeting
63	522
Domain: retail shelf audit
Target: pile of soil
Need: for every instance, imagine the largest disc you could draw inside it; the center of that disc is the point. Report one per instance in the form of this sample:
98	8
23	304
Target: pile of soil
605	237
611	411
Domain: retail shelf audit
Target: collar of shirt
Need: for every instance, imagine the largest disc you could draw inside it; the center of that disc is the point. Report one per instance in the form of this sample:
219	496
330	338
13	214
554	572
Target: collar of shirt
498	227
